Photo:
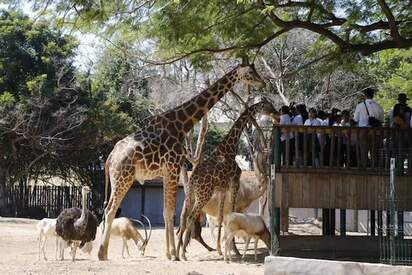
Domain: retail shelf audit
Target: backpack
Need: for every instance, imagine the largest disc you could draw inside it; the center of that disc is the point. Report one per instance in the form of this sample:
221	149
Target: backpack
372	121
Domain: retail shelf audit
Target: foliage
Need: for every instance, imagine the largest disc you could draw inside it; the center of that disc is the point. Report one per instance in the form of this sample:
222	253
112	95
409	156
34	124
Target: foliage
32	57
392	72
182	28
214	136
121	83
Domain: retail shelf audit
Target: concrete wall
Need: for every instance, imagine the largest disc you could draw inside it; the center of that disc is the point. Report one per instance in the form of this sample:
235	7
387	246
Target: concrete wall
297	266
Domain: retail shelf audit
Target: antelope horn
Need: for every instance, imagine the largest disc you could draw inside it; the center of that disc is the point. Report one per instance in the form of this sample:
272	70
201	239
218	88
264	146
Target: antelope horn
150	227
142	224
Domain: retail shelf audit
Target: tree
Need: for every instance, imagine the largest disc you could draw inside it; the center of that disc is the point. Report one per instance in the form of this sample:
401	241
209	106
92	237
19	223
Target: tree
40	110
193	28
33	57
392	72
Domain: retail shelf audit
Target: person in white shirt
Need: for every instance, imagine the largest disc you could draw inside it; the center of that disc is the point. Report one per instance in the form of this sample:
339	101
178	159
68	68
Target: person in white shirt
363	112
312	120
286	120
297	120
367	108
345	121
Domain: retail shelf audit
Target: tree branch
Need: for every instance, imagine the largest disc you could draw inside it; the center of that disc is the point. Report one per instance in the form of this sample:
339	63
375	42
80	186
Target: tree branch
391	21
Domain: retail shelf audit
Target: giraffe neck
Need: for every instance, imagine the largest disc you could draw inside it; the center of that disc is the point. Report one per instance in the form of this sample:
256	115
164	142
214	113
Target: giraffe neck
230	144
180	120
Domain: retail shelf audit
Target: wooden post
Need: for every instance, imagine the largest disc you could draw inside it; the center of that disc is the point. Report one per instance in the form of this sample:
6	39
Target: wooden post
380	223
274	212
343	222
400	225
373	220
332	221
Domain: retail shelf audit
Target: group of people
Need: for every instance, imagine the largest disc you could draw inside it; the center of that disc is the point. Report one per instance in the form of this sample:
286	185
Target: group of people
368	113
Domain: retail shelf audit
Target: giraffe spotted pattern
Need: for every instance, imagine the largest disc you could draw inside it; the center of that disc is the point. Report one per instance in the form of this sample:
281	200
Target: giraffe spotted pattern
219	173
158	151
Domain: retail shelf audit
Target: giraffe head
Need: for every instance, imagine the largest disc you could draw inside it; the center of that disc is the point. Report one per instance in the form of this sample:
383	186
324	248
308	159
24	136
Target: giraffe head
248	75
267	108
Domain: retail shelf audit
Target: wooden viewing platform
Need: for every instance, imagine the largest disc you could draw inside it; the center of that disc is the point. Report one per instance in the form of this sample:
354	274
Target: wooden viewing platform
338	168
341	167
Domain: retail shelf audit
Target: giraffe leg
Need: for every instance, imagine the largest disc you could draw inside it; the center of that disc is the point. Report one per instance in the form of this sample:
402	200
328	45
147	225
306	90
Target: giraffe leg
234	188
222	196
197	235
170	191
119	190
197	208
187	204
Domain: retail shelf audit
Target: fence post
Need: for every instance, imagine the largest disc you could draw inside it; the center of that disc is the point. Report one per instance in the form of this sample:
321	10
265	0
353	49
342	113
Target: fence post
274	212
392	217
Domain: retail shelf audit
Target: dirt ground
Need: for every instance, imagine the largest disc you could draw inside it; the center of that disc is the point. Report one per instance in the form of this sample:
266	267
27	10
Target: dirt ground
19	246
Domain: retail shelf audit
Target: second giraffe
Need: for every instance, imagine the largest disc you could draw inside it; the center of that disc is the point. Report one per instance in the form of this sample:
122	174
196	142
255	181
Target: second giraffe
219	173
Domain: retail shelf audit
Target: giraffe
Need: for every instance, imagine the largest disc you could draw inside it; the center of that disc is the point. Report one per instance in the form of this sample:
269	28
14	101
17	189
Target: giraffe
219	173
158	151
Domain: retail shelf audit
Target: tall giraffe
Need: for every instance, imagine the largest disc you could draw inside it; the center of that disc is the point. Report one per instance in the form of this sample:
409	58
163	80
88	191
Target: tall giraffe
158	150
219	173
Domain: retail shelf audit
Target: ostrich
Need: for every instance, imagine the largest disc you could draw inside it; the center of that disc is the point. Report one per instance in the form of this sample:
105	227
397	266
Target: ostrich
77	226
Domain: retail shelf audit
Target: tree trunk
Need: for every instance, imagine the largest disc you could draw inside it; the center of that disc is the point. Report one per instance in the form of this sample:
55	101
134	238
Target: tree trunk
4	207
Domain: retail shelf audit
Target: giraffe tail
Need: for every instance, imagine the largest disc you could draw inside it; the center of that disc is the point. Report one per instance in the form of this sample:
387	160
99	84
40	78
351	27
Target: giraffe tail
106	182
106	190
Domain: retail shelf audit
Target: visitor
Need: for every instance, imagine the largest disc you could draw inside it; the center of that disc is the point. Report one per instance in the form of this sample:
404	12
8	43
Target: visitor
402	99
312	118
313	148
345	119
285	119
399	116
297	118
335	117
368	113
301	110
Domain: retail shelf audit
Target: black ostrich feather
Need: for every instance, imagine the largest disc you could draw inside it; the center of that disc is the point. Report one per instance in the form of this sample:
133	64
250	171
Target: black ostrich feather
66	229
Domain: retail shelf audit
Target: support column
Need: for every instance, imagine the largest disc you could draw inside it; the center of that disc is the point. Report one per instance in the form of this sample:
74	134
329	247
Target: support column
372	222
400	225
274	212
328	221
325	219
332	221
380	223
343	222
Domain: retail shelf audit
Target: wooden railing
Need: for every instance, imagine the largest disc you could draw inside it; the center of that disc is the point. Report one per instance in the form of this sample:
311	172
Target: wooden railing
367	150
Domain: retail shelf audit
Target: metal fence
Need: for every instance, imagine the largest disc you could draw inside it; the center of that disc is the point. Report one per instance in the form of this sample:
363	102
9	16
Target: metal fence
395	245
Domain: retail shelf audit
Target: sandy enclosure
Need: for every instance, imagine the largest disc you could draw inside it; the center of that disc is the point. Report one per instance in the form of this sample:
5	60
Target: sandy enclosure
18	255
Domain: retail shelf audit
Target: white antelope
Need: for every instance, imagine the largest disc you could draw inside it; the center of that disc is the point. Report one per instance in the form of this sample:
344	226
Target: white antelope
246	226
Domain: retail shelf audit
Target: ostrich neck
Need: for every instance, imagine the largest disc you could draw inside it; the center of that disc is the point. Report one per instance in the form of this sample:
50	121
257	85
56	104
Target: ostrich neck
80	221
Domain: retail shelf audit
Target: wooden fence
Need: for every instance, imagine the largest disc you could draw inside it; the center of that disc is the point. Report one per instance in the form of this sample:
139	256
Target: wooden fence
42	201
343	148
